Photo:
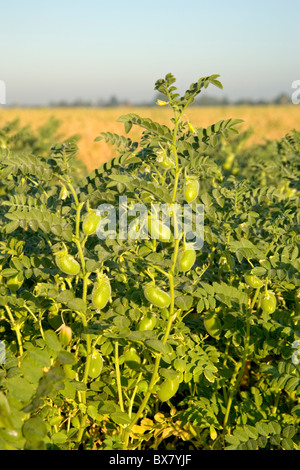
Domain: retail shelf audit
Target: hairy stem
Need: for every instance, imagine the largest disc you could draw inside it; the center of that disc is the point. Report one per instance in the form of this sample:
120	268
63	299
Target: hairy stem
15	327
240	367
118	375
170	276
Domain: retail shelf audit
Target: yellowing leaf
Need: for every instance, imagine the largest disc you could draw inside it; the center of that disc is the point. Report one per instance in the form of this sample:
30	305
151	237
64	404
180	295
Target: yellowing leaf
161	102
209	375
159	417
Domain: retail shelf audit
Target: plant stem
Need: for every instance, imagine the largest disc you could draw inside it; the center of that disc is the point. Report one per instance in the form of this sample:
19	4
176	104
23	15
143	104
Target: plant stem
118	375
82	394
15	327
80	245
240	366
69	183
133	395
172	317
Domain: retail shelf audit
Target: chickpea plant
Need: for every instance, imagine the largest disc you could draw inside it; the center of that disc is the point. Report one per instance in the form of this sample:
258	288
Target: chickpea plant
150	342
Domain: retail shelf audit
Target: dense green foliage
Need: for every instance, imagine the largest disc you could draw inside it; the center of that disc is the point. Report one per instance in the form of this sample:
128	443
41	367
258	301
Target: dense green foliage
200	366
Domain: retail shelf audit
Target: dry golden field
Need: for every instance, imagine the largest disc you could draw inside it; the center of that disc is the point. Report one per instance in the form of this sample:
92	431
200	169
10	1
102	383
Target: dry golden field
268	122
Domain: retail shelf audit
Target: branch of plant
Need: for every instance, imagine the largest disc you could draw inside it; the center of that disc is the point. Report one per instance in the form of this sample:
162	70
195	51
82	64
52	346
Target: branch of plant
172	317
15	327
240	366
118	375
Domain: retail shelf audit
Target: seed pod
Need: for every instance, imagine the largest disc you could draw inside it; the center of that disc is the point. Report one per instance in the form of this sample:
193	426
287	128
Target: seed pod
157	296
268	302
186	259
132	359
191	190
168	389
253	281
90	223
65	335
165	161
147	323
96	365
212	324
158	230
101	293
67	264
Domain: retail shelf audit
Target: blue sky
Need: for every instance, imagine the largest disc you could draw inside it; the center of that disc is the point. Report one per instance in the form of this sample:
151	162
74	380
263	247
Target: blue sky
93	49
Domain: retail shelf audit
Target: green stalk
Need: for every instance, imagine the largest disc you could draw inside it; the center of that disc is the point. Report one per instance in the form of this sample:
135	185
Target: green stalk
133	395
156	366
172	317
39	321
82	395
15	327
144	401
240	367
276	403
80	245
71	187
118	375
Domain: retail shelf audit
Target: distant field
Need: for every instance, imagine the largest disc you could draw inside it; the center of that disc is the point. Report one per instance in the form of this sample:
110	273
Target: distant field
268	122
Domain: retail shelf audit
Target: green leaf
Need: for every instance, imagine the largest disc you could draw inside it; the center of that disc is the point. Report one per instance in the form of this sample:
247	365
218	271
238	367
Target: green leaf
233	440
292	384
168	373
184	302
157	346
34	429
40	356
20	388
289	431
251	444
262	441
12	226
59	437
241	434
262	428
65	296
154	127
65	357
274	427
77	304
125	179
5	413
30	369
52	340
259	271
287	444
120	418
9	272
251	431
128	126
